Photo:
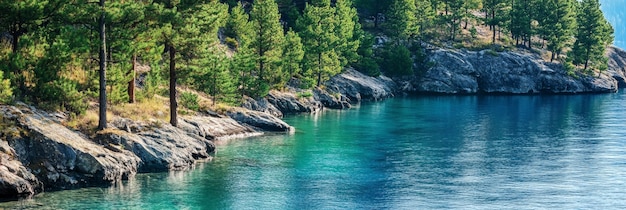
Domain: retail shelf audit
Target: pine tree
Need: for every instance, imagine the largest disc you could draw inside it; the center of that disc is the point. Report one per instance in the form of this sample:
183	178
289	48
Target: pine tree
594	34
292	54
402	20
187	26
317	29
496	16
347	32
559	25
425	15
102	116
238	27
266	41
468	6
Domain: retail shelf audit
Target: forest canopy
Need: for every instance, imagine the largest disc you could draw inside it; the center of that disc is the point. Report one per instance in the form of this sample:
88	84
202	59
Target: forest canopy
58	53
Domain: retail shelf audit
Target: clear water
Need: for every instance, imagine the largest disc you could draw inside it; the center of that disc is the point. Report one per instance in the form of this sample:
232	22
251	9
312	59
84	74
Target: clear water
430	152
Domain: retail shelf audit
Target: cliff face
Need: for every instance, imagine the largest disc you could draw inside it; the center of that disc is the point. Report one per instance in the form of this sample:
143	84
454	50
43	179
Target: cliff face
469	72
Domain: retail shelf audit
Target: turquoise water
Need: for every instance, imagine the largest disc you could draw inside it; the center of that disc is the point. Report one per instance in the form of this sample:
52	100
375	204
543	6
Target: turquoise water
429	152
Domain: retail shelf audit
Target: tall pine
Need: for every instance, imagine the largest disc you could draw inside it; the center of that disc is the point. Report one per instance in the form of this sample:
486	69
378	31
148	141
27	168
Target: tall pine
317	29
593	35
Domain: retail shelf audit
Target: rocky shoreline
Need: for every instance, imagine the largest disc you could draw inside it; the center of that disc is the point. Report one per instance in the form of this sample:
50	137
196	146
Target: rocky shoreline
38	153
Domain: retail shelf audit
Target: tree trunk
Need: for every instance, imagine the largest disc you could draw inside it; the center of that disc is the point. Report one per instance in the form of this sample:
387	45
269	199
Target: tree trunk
131	83
15	42
493	17
319	73
552	57
102	123
173	103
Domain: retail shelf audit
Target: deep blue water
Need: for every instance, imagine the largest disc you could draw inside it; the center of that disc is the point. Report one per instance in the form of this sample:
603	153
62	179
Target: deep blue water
429	152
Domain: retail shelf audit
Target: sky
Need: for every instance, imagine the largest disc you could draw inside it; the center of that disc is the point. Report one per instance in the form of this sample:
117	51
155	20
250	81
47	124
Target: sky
615	13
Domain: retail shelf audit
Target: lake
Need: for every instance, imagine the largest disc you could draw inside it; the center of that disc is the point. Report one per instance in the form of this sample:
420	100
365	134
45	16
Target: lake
427	152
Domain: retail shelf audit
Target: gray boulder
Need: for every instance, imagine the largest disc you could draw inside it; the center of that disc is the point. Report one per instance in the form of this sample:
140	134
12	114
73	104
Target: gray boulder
15	179
288	103
259	120
162	147
261	105
358	86
61	158
329	100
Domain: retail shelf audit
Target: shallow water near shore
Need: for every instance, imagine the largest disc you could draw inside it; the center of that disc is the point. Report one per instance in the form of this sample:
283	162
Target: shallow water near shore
428	152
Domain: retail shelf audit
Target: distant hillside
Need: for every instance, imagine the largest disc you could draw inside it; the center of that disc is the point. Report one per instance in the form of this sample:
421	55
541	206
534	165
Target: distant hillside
615	13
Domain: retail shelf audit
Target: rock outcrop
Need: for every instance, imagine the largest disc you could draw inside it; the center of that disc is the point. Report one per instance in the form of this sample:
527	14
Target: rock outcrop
330	101
357	86
617	65
37	152
15	179
486	71
260	120
263	105
289	103
61	158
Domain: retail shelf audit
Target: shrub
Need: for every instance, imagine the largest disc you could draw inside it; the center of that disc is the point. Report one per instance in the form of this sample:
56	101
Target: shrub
396	60
305	94
190	101
6	94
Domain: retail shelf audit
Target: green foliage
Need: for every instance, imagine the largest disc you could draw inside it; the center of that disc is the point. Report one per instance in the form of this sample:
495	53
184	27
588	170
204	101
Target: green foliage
594	34
396	61
214	77
190	101
402	22
293	53
317	29
238	27
304	94
6	94
266	42
560	24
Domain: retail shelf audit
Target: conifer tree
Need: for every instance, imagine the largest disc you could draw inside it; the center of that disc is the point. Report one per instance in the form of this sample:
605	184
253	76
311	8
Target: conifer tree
102	114
317	29
495	12
593	35
559	25
292	54
402	20
425	15
186	27
266	41
347	32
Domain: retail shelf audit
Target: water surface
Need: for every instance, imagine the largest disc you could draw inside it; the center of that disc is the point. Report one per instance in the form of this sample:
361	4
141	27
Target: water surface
430	152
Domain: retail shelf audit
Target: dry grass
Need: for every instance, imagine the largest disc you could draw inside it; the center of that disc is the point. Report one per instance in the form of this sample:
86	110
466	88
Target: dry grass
86	123
145	110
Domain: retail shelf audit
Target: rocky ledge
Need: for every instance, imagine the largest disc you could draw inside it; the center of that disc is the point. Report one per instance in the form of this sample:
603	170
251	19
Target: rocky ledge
486	71
38	153
342	90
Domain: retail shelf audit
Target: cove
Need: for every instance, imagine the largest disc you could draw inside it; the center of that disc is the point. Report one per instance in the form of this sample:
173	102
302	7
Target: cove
426	152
